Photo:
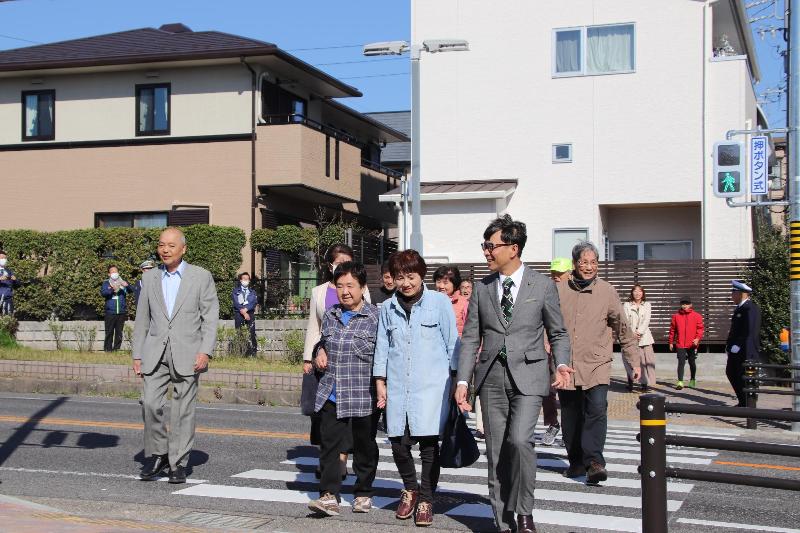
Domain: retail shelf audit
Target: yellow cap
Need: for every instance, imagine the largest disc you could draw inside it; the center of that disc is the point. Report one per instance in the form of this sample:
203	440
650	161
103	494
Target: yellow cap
561	264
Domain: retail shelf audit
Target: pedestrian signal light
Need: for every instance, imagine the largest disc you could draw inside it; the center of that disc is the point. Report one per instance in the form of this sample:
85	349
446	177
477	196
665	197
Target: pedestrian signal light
729	171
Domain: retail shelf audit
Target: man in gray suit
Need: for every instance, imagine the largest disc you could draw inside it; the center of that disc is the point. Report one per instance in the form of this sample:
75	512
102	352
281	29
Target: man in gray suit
173	339
509	313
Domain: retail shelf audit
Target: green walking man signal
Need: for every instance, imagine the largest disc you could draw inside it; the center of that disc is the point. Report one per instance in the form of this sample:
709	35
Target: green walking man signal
729	170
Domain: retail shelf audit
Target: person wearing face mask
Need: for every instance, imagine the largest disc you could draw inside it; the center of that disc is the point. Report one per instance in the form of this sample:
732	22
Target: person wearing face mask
323	297
244	308
7	282
114	290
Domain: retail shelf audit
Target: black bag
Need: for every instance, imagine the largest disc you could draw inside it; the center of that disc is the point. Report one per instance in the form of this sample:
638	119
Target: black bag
459	448
308	392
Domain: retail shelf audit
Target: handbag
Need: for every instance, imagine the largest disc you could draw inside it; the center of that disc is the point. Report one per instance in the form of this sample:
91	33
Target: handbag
459	448
308	392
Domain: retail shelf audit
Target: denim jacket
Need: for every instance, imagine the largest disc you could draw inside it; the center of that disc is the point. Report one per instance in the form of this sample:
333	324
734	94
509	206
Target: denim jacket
416	357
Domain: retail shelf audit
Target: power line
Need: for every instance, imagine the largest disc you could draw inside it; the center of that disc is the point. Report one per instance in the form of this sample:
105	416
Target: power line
19	39
325	47
359	61
376	76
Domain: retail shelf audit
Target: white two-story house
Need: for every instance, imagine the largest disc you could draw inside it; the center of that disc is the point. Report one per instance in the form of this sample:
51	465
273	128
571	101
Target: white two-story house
586	119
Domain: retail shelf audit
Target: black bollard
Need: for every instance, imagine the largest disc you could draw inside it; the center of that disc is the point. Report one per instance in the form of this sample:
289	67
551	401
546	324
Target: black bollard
653	429
750	382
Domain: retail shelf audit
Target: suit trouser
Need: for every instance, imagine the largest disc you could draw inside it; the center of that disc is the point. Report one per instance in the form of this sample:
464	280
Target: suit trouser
114	325
734	370
584	422
509	421
181	422
239	322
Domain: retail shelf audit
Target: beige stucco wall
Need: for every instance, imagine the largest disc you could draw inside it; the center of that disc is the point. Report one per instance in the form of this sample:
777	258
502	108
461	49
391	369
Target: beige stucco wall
63	188
102	106
655	224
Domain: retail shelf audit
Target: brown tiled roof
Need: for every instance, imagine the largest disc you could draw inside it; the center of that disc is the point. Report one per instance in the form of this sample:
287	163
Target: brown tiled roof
439	187
171	42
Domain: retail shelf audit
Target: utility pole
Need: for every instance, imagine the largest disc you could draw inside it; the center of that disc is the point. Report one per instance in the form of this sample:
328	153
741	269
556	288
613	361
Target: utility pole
793	147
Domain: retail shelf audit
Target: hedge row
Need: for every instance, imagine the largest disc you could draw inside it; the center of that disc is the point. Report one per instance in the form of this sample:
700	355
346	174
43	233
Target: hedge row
60	273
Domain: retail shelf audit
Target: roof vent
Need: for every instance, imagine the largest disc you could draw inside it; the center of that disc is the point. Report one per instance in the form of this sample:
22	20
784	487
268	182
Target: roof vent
176	27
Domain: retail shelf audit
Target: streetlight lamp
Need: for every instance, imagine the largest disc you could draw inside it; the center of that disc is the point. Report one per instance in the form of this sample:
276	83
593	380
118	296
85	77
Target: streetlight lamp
394	48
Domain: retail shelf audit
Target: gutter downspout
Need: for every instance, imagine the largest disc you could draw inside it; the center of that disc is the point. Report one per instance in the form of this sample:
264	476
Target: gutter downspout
706	7
253	195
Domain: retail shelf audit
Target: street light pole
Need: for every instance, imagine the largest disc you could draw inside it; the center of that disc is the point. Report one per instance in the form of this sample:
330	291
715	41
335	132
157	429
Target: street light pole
416	206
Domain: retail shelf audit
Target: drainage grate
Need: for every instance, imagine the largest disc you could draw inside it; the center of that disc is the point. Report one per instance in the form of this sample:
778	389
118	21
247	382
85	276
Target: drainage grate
222	520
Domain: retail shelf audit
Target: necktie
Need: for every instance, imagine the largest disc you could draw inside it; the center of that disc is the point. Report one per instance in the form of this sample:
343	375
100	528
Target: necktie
507	305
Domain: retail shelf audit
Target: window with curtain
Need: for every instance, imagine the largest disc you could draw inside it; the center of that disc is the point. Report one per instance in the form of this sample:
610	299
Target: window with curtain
131	220
594	50
38	115
152	109
565	239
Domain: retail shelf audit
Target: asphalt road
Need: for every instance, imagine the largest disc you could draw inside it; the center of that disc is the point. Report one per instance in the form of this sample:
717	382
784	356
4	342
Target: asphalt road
253	468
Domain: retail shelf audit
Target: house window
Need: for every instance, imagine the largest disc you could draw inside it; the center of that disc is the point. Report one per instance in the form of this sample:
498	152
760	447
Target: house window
153	109
592	50
651	250
156	219
564	239
38	115
279	106
562	153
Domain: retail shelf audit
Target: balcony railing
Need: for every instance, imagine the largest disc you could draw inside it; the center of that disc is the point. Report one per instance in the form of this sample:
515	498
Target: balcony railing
274	120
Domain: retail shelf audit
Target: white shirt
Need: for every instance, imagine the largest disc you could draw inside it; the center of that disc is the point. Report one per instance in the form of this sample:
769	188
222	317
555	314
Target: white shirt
516	278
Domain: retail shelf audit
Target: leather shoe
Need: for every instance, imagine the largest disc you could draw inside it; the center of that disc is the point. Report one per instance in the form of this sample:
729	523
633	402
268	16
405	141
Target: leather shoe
158	464
525	524
574	470
178	475
596	473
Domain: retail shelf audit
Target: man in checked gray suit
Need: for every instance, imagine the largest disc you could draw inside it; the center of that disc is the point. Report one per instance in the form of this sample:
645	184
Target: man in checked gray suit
173	339
509	313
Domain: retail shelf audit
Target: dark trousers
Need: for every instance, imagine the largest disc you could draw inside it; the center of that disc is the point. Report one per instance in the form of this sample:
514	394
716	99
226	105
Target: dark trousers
239	322
6	306
683	355
584	421
549	409
365	450
428	454
734	370
114	325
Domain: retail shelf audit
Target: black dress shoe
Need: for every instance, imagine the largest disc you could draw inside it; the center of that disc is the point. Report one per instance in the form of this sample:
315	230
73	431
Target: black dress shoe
158	464
178	475
525	524
574	471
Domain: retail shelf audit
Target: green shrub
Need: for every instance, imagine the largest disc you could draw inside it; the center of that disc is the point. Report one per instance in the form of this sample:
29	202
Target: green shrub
294	340
85	335
9	325
57	329
232	341
60	273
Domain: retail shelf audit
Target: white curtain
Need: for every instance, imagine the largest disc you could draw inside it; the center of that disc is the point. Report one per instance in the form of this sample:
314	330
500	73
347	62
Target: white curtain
145	104
609	49
31	120
568	51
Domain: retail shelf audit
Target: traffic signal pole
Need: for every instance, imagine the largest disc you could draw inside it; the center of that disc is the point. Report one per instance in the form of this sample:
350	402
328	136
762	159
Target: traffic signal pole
793	145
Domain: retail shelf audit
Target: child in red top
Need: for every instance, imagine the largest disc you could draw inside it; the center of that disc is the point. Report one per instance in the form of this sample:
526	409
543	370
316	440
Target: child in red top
685	333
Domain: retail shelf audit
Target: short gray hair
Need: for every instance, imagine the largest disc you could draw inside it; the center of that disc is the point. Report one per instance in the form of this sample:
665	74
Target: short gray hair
176	230
581	247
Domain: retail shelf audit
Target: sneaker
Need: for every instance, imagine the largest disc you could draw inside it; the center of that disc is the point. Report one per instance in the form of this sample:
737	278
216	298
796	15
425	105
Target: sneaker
576	470
424	515
549	437
679	386
692	384
326	504
362	504
408	503
596	473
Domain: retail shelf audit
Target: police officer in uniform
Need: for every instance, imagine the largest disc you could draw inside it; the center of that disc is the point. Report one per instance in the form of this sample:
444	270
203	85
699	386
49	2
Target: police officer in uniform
145	265
743	340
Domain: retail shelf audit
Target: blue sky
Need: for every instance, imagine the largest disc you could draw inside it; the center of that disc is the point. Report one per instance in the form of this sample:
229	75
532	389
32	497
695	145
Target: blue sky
336	30
324	33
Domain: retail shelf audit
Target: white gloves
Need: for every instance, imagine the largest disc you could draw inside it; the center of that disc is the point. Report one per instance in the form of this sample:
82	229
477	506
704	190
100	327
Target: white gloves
735	349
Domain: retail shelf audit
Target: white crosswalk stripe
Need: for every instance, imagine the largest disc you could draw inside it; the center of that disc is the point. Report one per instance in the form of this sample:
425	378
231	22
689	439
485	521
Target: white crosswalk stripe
560	501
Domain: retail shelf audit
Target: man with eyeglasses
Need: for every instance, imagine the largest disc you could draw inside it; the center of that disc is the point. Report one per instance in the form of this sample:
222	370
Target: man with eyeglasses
593	316
509	312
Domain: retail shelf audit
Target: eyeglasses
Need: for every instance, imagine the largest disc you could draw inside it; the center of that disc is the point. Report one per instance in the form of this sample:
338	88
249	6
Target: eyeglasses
584	262
490	246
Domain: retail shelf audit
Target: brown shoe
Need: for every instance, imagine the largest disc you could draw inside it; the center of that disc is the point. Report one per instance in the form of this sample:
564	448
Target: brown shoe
525	524
596	473
424	515
408	503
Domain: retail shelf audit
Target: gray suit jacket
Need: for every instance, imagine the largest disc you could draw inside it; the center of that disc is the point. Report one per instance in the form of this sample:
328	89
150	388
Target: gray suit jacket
192	328
536	309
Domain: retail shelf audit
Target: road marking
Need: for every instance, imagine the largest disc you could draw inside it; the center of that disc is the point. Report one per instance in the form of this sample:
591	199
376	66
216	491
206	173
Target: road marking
271	495
758	465
140	427
732	525
481	489
92	474
559	518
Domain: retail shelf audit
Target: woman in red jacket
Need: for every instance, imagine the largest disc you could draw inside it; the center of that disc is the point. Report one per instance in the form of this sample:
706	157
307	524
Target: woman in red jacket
685	333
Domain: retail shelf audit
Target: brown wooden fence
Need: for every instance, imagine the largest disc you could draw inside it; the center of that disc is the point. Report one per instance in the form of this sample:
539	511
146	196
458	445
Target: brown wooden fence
706	282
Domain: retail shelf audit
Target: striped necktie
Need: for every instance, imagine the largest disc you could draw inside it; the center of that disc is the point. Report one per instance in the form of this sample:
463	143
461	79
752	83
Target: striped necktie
507	305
